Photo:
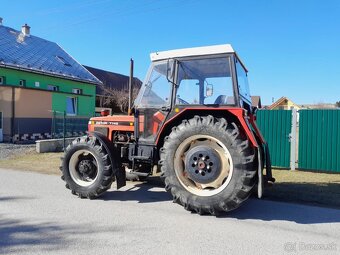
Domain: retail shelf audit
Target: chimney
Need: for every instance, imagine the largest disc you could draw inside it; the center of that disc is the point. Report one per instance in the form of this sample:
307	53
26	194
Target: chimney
1	21
25	30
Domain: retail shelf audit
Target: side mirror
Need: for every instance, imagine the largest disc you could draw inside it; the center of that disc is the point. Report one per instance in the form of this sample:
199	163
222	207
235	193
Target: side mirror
209	90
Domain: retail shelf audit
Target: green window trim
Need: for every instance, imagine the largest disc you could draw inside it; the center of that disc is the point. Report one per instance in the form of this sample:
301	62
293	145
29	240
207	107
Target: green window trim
46	90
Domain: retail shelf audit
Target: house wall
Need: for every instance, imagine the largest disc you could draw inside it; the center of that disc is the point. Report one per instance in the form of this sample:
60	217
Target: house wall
86	101
34	106
32	116
27	105
14	76
85	104
6	109
288	105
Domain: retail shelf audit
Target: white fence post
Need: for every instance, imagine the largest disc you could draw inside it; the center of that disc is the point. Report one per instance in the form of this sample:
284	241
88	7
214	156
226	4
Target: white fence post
292	138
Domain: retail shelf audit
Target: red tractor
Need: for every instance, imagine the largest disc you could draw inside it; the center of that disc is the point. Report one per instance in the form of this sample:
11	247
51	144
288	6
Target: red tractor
192	122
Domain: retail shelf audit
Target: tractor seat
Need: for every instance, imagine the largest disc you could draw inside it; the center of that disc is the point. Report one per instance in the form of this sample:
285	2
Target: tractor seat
221	99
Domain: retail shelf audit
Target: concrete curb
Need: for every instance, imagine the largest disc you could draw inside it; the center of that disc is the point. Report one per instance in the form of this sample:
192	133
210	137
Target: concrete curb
52	145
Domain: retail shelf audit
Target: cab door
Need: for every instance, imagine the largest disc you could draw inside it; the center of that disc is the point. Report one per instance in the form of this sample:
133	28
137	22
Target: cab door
151	120
154	101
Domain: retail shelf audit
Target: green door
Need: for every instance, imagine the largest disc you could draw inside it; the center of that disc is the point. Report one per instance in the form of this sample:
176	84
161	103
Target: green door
275	126
319	140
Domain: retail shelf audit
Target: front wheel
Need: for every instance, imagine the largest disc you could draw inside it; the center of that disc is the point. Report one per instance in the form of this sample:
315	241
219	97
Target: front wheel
86	168
208	165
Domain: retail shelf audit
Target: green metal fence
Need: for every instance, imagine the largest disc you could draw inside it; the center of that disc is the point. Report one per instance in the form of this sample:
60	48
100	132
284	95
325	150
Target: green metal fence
275	126
319	140
68	126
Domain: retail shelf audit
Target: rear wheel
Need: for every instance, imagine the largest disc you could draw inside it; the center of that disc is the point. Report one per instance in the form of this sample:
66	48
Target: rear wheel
86	167
208	165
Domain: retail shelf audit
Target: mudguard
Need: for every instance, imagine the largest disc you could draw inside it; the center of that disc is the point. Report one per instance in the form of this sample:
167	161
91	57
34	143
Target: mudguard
269	175
260	175
237	112
114	157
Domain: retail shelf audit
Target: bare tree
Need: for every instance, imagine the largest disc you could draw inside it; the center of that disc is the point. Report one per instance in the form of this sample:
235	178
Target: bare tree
117	99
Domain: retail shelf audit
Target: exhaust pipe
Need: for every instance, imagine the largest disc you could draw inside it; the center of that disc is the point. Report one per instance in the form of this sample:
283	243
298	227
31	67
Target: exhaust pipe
130	86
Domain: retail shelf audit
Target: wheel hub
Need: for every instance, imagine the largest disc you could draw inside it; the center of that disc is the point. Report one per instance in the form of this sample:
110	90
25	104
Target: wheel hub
203	164
86	168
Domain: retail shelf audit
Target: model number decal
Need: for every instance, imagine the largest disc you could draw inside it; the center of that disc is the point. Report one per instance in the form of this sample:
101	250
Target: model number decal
113	123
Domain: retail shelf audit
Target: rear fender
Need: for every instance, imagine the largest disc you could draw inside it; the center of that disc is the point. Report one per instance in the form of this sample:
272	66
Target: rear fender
264	145
185	113
114	157
252	121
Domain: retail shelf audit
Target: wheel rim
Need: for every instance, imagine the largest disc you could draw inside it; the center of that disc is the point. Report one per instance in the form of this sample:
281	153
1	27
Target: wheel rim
203	165
83	167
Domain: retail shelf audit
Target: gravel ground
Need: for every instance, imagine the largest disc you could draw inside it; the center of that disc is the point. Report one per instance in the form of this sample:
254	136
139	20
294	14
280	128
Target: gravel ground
8	150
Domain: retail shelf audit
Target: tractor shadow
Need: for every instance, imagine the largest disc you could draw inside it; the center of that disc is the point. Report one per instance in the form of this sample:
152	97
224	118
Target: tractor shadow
273	207
150	191
265	210
303	203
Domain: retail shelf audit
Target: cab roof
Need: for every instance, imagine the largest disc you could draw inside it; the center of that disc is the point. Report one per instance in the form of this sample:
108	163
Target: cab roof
196	51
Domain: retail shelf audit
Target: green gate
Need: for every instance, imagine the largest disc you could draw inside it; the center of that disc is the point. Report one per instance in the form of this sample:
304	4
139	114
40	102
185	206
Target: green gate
319	140
275	126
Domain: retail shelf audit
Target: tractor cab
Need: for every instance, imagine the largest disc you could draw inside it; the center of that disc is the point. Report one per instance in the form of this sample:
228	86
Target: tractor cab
208	77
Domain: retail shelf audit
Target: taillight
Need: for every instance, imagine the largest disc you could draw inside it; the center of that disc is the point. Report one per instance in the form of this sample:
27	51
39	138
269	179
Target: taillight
104	113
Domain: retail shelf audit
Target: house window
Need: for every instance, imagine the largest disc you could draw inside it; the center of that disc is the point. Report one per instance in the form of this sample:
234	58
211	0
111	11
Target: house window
52	88
77	91
22	83
71	106
37	84
2	80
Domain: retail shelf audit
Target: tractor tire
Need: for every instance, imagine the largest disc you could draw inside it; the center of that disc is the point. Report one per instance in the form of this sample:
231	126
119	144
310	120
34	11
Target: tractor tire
86	168
208	165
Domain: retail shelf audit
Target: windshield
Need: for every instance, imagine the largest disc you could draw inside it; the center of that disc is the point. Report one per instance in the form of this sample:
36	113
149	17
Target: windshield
156	90
205	81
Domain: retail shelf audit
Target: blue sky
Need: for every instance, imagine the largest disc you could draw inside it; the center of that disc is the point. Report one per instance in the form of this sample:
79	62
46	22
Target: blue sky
291	48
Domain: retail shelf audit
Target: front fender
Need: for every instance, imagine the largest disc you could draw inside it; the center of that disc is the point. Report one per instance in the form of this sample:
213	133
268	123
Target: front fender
114	157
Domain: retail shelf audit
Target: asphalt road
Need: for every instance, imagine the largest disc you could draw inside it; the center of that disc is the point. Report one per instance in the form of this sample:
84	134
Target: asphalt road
39	216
